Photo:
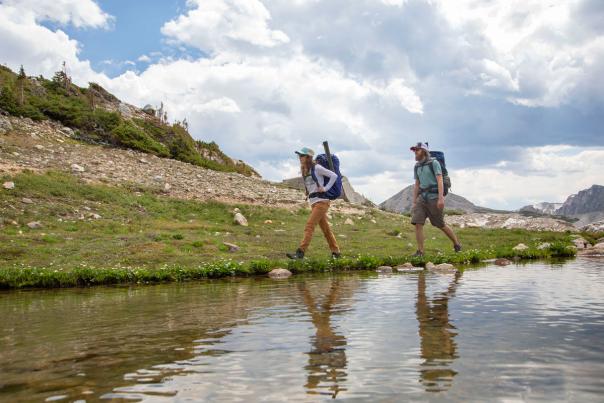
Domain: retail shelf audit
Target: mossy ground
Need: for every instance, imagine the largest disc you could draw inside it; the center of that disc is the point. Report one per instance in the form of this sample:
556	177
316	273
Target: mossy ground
165	239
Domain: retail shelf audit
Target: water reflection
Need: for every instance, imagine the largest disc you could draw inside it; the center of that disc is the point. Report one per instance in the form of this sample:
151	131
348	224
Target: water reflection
437	334
327	359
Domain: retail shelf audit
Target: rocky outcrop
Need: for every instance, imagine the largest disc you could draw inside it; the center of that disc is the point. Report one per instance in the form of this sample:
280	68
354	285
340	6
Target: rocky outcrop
509	221
597	226
541	208
403	200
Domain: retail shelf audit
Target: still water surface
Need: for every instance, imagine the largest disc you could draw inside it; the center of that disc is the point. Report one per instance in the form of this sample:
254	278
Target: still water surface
521	333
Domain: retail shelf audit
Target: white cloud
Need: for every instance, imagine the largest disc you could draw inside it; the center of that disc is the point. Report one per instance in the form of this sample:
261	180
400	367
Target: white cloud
538	53
39	49
214	25
144	59
79	13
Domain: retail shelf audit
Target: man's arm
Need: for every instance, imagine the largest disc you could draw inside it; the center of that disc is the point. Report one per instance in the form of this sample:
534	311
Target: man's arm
441	193
415	192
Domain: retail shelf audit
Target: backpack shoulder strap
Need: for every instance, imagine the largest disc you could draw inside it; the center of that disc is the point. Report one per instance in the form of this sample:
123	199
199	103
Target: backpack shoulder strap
314	175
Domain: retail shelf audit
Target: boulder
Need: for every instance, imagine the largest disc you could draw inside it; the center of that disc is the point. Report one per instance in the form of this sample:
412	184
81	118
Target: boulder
596	250
502	262
544	245
232	247
279	273
77	168
27	201
167	188
445	267
240	220
580	243
408	268
34	224
520	247
349	222
95	216
268	222
8	185
384	269
430	266
5	125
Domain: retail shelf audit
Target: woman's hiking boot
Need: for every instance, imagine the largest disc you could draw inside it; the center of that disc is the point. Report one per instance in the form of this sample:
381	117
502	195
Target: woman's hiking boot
418	254
336	255
457	247
299	254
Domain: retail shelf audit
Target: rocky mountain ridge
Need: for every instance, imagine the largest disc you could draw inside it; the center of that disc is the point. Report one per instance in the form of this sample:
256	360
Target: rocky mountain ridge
586	207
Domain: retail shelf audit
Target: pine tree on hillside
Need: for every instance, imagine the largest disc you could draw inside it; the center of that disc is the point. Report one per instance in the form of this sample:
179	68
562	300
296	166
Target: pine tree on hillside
21	80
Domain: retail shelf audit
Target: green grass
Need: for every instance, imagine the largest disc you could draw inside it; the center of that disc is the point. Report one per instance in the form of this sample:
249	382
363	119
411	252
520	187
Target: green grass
145	237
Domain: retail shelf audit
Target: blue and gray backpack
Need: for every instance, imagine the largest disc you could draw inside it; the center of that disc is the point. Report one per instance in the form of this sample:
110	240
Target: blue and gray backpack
440	157
336	190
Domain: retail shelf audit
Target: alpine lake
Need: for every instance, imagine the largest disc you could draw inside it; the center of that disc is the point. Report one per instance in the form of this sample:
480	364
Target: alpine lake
525	332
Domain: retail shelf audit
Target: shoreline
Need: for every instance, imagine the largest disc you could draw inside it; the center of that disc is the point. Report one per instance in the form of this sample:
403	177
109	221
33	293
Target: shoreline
32	278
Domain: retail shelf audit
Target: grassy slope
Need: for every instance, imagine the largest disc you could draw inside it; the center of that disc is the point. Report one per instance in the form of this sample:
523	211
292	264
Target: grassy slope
143	230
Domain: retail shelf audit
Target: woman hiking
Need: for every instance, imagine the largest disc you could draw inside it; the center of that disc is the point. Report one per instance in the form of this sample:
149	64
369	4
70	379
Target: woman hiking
319	202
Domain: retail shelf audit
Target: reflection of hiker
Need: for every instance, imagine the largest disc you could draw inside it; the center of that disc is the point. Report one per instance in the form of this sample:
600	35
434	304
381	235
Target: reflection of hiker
318	181
327	359
438	348
429	197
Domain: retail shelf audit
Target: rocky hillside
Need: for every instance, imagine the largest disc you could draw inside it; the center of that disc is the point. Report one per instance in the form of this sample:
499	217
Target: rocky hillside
26	145
94	115
402	201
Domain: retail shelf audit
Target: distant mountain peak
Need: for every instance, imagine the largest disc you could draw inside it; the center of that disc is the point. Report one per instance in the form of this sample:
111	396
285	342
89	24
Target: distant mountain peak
402	201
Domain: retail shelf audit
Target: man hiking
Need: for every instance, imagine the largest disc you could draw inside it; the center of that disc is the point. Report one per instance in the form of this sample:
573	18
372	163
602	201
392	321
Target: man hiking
429	197
318	180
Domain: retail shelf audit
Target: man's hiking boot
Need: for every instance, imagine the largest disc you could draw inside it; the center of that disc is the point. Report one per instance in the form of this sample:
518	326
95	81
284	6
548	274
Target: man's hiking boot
457	247
336	255
418	254
299	254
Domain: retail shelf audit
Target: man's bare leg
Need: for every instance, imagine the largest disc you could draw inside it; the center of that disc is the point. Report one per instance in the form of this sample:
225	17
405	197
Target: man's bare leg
419	236
450	234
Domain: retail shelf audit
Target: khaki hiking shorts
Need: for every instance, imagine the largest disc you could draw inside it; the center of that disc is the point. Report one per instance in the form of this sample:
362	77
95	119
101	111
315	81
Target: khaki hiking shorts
427	209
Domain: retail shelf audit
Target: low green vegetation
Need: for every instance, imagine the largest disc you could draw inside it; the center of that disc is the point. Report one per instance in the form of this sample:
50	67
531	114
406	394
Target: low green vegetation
86	110
145	237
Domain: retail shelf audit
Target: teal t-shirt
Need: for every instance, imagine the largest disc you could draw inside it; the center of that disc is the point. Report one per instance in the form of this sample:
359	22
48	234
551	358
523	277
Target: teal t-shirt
426	179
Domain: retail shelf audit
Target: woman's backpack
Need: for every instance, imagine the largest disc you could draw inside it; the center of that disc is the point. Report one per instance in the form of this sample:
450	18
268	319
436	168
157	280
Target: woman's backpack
336	190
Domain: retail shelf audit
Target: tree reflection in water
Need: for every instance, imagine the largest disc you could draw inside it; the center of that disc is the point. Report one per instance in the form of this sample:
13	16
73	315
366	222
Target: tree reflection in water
327	359
437	334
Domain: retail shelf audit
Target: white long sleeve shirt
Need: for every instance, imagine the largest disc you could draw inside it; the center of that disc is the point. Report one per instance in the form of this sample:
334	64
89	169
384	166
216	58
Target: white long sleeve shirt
311	186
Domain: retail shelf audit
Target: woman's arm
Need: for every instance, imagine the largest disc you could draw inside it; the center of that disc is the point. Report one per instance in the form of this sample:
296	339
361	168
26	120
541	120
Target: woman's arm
320	170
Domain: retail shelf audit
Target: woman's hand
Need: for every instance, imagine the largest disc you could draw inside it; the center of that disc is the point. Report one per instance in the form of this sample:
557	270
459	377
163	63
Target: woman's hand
321	189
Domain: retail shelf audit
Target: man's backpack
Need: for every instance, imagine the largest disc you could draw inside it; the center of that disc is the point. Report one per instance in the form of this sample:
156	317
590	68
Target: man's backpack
336	190
440	157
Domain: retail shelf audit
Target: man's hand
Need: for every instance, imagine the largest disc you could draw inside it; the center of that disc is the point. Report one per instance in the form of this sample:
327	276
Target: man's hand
321	189
441	203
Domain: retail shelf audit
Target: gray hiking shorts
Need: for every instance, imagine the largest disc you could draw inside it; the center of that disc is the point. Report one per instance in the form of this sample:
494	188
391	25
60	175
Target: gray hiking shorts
427	209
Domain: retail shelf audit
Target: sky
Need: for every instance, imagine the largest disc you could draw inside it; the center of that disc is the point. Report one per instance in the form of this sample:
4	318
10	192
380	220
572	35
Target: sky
511	91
